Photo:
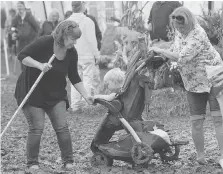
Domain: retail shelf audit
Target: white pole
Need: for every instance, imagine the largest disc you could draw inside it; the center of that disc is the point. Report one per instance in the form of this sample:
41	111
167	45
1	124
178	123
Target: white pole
26	97
131	130
222	23
220	101
6	57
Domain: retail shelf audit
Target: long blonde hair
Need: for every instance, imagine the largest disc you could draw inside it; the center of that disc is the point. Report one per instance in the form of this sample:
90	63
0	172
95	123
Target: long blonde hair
189	18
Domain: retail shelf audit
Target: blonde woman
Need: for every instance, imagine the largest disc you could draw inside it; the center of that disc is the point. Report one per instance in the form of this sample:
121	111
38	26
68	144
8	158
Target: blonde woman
50	95
50	24
193	51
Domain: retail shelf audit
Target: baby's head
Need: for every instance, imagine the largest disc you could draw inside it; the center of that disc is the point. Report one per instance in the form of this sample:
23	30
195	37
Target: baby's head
113	80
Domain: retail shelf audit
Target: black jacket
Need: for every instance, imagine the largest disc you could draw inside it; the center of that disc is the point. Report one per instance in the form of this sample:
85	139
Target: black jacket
159	17
27	29
52	87
47	28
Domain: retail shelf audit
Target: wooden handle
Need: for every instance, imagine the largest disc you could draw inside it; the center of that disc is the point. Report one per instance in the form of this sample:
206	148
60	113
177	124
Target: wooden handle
27	96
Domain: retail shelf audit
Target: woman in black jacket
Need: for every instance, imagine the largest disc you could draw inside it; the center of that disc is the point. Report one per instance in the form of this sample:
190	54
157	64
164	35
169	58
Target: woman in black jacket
26	25
50	95
49	25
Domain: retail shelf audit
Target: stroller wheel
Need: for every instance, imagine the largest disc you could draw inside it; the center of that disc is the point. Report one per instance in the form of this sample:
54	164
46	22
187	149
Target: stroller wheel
170	154
141	153
100	159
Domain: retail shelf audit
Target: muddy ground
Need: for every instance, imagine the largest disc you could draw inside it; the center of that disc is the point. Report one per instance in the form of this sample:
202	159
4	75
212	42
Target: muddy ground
169	108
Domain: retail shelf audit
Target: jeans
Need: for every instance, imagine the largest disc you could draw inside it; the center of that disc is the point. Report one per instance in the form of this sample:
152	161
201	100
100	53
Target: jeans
35	117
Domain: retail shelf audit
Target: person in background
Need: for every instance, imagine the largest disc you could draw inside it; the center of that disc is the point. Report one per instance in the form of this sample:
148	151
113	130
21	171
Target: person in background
50	24
96	83
50	95
87	51
3	22
97	29
68	14
11	42
159	18
26	25
193	52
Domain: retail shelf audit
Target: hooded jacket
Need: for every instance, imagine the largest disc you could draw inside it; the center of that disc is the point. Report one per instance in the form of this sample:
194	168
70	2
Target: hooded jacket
27	29
159	17
86	45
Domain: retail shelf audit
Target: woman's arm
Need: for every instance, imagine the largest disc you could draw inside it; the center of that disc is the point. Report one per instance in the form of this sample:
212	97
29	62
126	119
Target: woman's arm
36	49
167	53
196	42
30	62
34	52
76	80
81	89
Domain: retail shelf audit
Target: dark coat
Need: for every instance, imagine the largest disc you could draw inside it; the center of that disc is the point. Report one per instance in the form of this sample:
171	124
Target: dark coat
27	29
47	28
3	18
159	17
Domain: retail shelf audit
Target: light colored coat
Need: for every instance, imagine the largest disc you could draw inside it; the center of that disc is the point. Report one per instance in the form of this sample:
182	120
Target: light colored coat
86	45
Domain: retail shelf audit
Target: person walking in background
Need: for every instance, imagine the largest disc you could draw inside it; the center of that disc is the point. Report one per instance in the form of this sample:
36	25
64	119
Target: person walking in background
159	18
11	42
50	95
3	22
26	25
49	25
96	83
193	51
87	51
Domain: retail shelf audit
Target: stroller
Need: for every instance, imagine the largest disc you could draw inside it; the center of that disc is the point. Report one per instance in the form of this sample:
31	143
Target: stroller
144	138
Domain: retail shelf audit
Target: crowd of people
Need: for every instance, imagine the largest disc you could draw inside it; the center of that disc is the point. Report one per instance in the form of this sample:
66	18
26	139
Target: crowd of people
76	43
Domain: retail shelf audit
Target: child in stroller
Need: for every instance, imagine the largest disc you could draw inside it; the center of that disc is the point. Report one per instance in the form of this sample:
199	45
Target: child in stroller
144	138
